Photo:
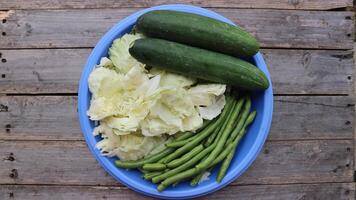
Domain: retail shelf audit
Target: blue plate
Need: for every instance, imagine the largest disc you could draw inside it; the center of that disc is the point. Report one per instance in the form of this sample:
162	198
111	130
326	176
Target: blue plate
247	150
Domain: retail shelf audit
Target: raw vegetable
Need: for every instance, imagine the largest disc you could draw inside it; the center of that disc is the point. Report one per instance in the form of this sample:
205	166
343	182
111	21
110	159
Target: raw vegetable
226	163
225	133
199	63
199	31
137	108
185	158
202	135
196	170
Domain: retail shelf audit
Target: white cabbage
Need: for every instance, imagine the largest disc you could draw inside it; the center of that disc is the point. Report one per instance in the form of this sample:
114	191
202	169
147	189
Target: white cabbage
119	53
138	109
213	110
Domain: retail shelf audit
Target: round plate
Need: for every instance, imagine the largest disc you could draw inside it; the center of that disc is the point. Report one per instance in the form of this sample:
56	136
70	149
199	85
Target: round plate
247	150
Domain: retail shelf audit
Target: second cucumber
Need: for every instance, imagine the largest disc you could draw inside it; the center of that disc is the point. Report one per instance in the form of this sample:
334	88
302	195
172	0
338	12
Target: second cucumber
199	63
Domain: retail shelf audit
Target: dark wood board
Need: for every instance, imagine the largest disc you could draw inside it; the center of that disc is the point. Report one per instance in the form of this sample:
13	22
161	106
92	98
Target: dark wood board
273	28
325	191
71	163
294	118
292	71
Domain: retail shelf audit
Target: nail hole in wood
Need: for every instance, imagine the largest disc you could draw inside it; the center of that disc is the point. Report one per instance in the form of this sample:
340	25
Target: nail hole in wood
11	194
8	126
347	192
4	21
348	149
3	60
334	170
3	33
347	165
348	35
0	54
11	158
3	75
347	123
349	77
348	17
14	174
266	151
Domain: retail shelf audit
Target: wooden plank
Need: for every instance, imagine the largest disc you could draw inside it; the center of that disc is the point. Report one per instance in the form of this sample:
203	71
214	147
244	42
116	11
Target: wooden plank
70	163
341	191
273	28
292	71
65	4
55	118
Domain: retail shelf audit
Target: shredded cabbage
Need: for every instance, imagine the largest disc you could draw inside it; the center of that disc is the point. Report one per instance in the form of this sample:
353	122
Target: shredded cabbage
138	109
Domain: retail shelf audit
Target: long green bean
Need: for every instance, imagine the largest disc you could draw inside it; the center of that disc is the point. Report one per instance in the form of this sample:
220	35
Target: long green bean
241	121
150	175
154	166
196	180
226	163
185	166
195	171
226	131
186	157
141	162
189	134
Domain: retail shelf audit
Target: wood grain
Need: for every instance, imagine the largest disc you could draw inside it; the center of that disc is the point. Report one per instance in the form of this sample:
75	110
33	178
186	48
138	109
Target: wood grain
280	4
55	118
292	71
273	28
326	191
71	163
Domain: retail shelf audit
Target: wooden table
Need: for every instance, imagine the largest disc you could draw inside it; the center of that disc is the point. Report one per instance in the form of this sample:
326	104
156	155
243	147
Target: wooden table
307	44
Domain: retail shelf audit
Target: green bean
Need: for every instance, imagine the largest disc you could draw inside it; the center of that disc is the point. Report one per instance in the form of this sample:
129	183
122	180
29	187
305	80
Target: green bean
202	135
211	137
180	143
189	134
183	136
195	171
185	166
150	175
141	162
226	131
154	166
241	121
195	181
181	176
225	165
186	157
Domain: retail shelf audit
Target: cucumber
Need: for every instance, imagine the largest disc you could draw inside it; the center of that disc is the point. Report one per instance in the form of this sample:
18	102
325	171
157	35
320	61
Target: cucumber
200	63
199	31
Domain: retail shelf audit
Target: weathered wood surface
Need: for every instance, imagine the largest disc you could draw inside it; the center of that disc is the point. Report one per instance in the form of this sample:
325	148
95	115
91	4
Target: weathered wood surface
326	191
55	118
273	28
281	4
292	71
71	163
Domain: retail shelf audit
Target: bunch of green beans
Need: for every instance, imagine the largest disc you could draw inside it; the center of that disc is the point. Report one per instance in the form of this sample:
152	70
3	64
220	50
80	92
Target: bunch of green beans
190	155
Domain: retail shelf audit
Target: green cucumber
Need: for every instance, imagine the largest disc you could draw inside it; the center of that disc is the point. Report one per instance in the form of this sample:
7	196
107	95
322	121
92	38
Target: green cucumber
199	31
200	63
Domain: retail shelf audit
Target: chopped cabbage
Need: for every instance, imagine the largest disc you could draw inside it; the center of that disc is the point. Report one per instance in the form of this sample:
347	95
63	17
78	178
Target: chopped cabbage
213	110
206	94
138	109
119	53
126	147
